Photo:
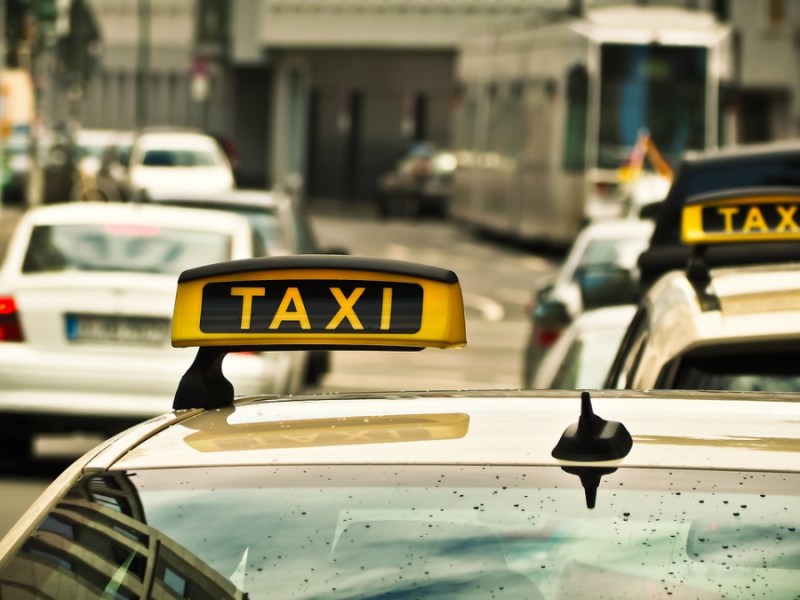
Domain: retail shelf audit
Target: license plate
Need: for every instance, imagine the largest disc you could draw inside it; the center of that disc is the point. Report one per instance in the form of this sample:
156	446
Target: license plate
117	330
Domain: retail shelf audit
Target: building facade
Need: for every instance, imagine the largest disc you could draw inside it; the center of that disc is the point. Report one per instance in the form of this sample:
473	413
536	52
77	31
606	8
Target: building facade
328	94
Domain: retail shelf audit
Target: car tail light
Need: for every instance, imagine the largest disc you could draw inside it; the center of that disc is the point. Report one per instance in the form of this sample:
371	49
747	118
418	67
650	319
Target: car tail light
605	189
10	328
546	336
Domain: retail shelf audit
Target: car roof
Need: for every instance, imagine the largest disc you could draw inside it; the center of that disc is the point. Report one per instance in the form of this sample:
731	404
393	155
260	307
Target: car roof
756	303
687	429
176	139
136	213
243	197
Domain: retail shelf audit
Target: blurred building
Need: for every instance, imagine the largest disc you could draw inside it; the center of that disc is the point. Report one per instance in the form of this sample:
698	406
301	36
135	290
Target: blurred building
333	91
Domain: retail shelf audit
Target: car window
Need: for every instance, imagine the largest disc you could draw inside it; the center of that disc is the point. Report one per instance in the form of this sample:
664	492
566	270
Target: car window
179	158
122	247
743	371
416	531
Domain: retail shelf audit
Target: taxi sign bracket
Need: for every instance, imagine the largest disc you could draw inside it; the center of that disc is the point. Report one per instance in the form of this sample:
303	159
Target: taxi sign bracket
699	275
204	385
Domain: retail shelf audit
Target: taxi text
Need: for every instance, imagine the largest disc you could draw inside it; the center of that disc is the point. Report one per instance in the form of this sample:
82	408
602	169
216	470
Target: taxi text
316	306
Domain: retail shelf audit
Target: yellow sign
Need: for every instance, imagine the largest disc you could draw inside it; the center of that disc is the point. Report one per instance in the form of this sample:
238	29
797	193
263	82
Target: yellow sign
330	301
744	217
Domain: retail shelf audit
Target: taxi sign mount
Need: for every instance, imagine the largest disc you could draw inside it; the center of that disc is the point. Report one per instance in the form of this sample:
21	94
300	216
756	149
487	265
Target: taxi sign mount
305	302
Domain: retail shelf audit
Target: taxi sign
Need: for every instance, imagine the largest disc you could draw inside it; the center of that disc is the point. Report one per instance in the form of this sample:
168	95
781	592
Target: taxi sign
318	301
746	215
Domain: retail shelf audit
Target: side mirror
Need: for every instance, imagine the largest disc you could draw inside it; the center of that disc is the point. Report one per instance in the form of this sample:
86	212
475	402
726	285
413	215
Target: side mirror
606	285
552	311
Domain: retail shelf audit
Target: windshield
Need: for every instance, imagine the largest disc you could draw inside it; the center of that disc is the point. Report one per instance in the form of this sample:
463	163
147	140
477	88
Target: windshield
613	252
122	247
417	532
659	89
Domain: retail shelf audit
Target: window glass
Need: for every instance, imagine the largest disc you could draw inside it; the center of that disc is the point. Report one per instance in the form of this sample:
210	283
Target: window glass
617	252
577	113
425	531
742	372
180	158
122	247
656	88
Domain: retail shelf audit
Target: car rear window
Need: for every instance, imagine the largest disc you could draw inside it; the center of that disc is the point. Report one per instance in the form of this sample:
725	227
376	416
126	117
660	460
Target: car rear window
122	247
743	371
416	532
179	158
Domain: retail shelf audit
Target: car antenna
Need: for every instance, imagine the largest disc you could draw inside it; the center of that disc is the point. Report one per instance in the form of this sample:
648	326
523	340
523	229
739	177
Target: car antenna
592	439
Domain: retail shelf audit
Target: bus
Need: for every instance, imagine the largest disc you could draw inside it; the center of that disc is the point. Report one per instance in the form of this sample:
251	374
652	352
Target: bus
551	113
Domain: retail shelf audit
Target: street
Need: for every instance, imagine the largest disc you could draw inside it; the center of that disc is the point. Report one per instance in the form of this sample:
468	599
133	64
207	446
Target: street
496	279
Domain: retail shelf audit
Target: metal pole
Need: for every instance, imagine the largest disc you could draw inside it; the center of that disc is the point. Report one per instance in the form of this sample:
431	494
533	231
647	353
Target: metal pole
143	64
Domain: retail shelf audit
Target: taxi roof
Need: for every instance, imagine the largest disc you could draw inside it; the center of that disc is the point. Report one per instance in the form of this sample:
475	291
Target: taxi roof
754	302
697	430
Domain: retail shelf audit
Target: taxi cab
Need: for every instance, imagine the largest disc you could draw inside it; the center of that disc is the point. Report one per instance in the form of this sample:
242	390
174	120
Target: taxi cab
450	494
731	319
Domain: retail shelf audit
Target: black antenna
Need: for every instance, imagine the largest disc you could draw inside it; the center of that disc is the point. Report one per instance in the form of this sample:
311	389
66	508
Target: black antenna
592	439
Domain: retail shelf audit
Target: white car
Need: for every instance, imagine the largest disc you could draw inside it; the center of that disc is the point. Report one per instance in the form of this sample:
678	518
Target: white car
182	161
582	356
604	249
86	299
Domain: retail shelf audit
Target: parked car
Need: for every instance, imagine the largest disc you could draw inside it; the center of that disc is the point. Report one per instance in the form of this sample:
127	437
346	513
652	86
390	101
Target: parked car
475	494
734	327
599	270
582	356
86	298
164	160
420	183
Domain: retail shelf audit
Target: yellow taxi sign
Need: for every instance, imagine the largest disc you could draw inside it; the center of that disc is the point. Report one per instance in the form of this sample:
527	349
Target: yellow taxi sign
318	301
746	215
